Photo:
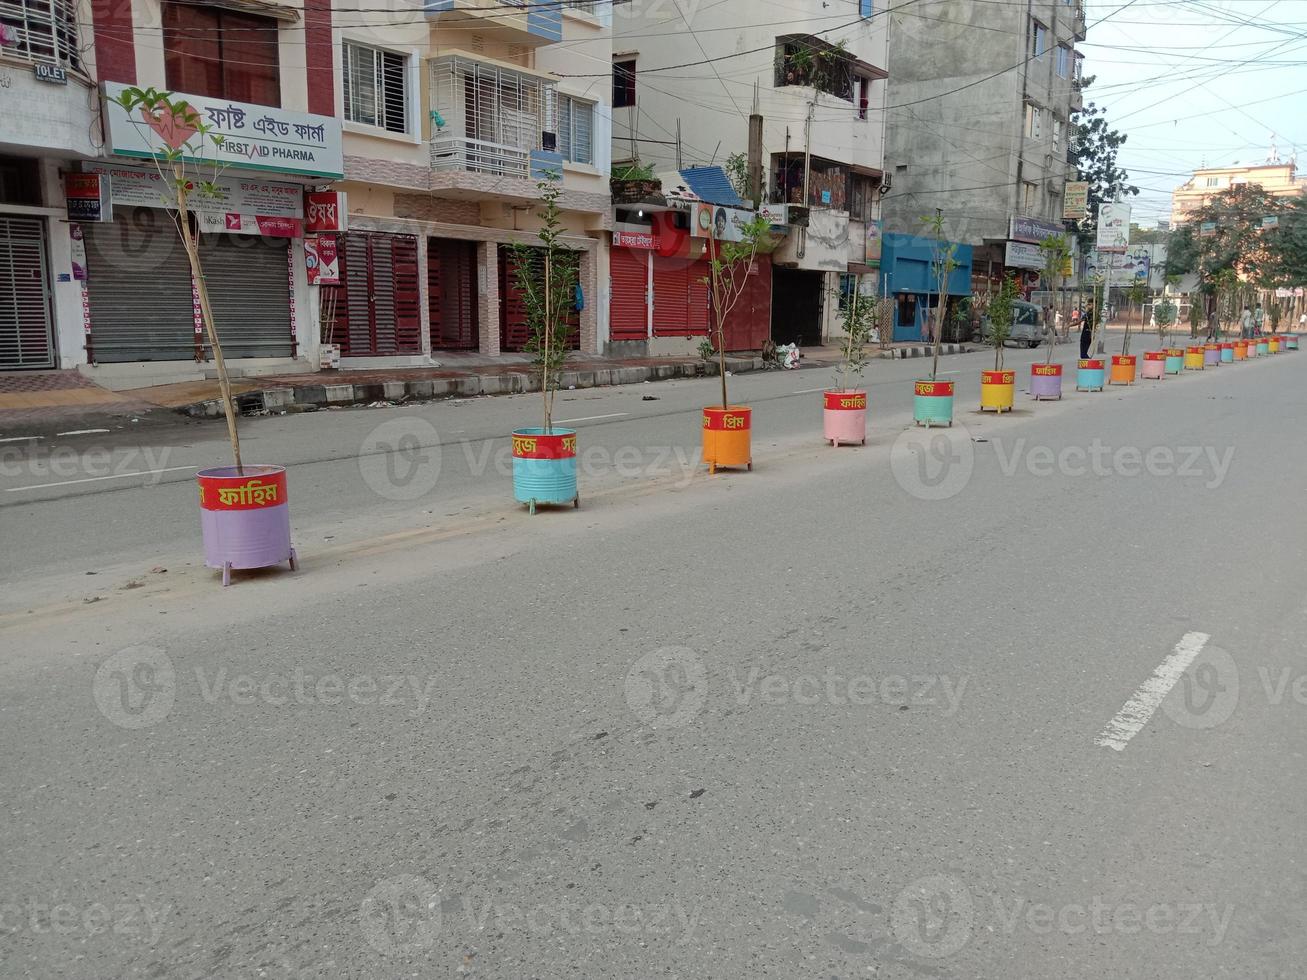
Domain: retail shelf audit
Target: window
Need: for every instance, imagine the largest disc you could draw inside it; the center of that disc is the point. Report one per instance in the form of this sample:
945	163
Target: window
221	54
623	84
1038	39
1213	181
803	59
1063	61
864	96
865	8
1034	121
1029	195
1057	133
41	30
375	87
861	196
576	129
1079	67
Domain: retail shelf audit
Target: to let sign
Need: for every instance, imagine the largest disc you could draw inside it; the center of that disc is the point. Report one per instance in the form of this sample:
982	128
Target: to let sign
88	197
54	74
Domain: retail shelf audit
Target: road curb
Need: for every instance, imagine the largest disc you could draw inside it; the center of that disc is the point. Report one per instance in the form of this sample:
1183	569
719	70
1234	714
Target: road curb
901	353
339	394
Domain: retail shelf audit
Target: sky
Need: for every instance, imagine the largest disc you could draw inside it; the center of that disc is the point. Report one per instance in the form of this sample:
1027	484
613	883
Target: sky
1194	82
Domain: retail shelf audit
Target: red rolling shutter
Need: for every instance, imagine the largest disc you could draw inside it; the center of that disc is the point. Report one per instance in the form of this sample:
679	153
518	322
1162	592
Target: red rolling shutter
378	311
670	311
749	324
629	271
514	330
451	290
698	299
408	297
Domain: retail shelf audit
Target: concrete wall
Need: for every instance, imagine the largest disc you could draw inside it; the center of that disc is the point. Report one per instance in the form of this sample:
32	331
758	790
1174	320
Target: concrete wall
956	138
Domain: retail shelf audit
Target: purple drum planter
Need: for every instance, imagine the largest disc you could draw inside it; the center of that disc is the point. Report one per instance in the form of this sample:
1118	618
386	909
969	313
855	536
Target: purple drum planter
1211	357
1045	381
245	518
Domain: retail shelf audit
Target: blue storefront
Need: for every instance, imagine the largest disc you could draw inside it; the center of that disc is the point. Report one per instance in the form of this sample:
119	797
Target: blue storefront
907	275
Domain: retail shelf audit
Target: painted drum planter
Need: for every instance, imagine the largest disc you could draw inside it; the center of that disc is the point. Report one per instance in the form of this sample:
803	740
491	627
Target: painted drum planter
1273	344
997	390
1045	381
1193	358
1089	374
1123	369
1291	341
1241	350
544	467
1227	353
1211	355
727	435
844	417
1174	360
245	518
1154	364
1263	347
932	403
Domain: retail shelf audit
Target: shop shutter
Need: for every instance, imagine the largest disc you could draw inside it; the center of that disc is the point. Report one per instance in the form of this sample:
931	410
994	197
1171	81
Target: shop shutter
25	328
452	295
249	290
749	323
378	305
138	284
698	300
629	309
680	299
514	330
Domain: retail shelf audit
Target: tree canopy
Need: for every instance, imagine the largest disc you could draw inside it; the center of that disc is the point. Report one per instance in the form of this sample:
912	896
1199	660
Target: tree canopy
1240	242
1092	149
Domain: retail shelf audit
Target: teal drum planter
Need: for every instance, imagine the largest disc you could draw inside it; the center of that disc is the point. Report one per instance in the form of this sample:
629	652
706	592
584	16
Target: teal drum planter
1089	374
1174	360
544	467
932	403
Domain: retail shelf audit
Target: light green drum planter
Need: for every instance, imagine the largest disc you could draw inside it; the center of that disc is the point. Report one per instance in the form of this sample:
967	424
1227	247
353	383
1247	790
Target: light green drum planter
1090	374
932	403
1291	341
544	467
1174	360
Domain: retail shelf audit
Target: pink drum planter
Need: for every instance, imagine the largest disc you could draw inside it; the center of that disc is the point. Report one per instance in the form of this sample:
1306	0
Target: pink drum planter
844	417
245	518
1155	364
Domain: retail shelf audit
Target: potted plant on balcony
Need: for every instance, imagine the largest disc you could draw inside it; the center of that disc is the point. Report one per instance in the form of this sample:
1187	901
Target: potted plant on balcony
635	183
727	428
244	511
1157	363
1125	365
844	416
932	399
997	387
1046	378
544	456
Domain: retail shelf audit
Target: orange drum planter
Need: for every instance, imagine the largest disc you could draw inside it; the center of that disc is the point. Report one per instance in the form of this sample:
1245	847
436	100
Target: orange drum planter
727	437
1123	369
844	418
1241	350
997	390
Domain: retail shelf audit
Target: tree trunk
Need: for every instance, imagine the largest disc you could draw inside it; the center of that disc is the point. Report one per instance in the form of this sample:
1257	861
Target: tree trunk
202	289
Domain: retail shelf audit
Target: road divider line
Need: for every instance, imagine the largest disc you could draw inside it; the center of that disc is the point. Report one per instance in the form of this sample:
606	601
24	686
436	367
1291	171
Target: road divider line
809	391
93	479
595	418
1136	712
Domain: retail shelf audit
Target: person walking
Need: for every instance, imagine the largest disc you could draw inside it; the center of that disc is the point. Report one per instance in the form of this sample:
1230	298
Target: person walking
1259	318
1086	330
1245	323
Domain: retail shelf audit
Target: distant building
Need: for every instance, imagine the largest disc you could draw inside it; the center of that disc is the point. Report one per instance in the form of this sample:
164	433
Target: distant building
1275	176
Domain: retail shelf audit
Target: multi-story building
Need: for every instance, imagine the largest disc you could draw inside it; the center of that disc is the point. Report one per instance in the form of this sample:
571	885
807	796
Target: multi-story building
396	152
48	119
980	104
686	80
1275	176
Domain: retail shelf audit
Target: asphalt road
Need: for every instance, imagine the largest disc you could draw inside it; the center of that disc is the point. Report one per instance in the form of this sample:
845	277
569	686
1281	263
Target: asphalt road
1023	699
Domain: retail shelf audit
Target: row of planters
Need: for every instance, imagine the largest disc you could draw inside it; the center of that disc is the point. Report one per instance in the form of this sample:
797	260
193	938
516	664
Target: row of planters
245	514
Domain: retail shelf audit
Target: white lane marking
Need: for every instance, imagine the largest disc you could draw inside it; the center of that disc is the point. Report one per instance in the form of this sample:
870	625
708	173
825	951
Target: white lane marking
592	418
21	439
92	479
809	391
1136	712
81	432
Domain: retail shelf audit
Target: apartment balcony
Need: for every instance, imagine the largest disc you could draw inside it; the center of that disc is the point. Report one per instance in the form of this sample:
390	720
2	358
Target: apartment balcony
494	131
1079	28
528	22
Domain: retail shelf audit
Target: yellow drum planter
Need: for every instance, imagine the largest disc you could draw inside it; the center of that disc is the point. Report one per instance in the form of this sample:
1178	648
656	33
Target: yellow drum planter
997	390
1273	344
1123	369
1193	358
1241	350
1174	360
727	437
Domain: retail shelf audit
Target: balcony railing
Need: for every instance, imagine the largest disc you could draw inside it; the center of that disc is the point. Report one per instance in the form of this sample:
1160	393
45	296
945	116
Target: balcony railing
479	156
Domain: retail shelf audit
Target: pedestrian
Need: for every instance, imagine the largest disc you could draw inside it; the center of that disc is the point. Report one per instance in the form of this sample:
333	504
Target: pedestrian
1259	318
1086	330
1302	322
1245	323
